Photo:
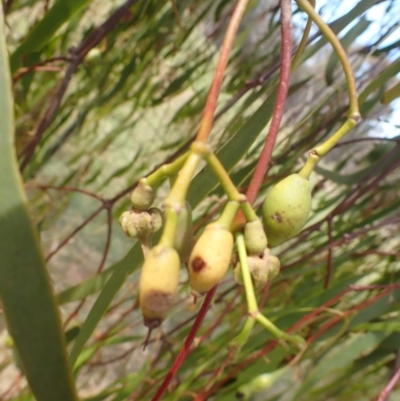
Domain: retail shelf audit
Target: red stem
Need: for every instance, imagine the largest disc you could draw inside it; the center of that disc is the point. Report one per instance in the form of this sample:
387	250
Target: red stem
387	390
186	346
283	86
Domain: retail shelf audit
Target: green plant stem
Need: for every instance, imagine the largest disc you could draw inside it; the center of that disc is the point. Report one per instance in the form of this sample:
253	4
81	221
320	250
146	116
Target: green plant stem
337	47
322	149
176	198
281	96
229	188
303	40
252	306
211	105
166	170
353	112
228	214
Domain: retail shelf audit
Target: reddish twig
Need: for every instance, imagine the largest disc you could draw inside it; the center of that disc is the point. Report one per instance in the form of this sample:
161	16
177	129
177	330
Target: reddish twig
77	56
283	87
329	255
77	229
37	67
70	189
186	346
388	389
212	98
346	238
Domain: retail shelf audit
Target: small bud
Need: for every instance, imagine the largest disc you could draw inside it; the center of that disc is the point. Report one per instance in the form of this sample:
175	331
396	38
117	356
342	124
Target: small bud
141	225
143	196
262	269
158	284
254	237
156	216
210	258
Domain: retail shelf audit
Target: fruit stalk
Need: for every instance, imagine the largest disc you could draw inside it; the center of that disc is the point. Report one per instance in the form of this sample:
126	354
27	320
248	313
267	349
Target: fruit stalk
353	114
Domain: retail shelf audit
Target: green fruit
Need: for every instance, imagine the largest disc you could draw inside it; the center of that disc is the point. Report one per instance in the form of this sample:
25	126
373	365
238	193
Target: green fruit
158	284
143	196
254	237
184	239
286	208
210	258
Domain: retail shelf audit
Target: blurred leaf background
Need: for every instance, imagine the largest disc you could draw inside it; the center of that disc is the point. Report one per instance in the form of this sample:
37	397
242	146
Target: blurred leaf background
106	91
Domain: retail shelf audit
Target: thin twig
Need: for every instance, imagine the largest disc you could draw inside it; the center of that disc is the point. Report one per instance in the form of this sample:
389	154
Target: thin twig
329	255
211	105
388	389
77	56
186	346
75	231
283	86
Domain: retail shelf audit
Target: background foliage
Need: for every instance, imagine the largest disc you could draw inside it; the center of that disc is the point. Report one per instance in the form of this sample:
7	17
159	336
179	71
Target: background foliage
106	91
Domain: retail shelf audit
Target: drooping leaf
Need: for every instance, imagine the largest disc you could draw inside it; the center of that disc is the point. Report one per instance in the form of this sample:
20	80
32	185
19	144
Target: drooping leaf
25	289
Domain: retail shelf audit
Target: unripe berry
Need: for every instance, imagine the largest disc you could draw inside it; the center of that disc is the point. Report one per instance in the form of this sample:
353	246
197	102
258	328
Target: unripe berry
210	258
286	209
254	237
158	284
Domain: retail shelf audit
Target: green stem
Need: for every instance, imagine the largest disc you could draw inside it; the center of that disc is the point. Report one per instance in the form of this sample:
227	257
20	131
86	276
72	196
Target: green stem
176	198
166	170
326	146
229	187
252	302
246	276
228	214
334	41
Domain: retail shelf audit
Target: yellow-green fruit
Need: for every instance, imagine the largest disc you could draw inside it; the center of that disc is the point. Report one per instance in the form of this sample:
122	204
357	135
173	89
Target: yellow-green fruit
158	284
184	239
286	208
210	258
254	237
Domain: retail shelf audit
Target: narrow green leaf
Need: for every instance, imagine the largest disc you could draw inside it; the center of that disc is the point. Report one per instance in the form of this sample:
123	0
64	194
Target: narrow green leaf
391	94
380	80
121	271
43	32
337	26
339	358
86	287
26	293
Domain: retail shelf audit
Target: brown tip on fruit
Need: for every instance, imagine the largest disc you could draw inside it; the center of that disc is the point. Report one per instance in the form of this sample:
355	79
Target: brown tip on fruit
198	263
158	301
152	323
